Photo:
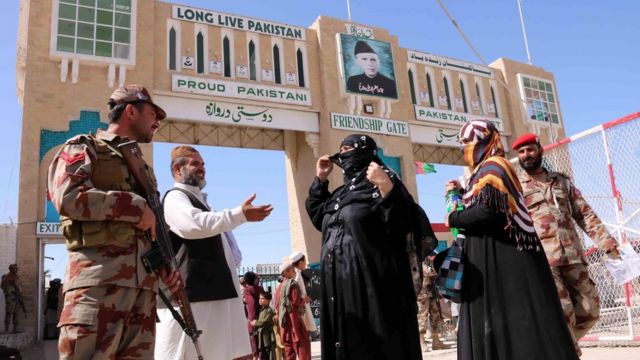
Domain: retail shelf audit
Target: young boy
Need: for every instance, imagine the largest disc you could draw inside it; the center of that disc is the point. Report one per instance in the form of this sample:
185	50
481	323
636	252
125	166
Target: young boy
264	327
289	310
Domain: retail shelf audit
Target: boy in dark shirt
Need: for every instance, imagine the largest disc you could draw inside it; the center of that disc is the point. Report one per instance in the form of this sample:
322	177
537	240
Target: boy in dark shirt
264	327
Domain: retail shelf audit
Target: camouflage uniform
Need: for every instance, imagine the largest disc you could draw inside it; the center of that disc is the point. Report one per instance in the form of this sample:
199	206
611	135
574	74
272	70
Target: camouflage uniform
555	204
109	302
11	288
429	309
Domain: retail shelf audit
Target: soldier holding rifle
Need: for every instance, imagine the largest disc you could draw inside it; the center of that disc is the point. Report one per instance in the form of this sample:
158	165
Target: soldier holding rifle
13	298
108	224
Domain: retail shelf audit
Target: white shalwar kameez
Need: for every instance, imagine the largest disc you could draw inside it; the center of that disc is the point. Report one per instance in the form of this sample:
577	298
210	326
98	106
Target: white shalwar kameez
223	323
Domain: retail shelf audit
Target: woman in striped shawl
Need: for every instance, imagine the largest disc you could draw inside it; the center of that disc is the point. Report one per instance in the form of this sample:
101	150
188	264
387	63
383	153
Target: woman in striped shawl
510	309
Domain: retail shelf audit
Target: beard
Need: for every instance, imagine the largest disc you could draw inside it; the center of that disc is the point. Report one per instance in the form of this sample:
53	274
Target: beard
192	179
531	164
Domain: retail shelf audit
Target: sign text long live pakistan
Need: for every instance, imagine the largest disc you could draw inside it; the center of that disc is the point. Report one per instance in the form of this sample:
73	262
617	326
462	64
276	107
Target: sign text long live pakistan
238	22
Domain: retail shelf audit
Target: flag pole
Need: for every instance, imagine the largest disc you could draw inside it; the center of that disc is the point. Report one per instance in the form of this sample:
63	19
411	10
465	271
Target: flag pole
524	32
349	10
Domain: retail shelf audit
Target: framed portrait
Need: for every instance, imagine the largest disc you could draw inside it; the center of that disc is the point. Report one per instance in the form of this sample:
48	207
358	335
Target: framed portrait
188	62
215	67
368	66
292	78
242	71
267	75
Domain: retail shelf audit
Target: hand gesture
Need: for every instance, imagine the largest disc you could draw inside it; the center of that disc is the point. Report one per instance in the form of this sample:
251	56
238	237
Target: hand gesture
452	185
613	253
255	213
323	167
378	177
147	222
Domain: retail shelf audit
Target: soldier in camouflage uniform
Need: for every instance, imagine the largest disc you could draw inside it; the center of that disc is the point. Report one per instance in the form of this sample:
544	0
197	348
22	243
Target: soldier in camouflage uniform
429	310
110	300
556	206
13	297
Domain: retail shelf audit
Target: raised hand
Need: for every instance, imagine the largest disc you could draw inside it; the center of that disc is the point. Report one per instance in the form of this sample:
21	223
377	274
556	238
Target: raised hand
255	213
452	185
323	167
378	177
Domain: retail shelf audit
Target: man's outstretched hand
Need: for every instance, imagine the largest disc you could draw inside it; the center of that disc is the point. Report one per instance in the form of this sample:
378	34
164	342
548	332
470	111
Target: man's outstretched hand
255	213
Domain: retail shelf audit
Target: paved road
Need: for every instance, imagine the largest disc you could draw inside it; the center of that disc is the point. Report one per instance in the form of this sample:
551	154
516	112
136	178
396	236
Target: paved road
595	353
48	351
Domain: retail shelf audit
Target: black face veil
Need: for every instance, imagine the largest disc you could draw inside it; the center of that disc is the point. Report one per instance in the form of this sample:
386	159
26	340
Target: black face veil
356	161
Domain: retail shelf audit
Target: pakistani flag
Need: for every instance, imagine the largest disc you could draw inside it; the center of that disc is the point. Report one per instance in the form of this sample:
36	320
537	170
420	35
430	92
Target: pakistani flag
423	168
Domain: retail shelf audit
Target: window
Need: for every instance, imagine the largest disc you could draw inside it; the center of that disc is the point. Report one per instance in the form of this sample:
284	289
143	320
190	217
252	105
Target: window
464	96
100	28
493	99
276	64
300	68
226	53
411	87
172	49
252	61
446	92
480	98
200	53
540	99
430	90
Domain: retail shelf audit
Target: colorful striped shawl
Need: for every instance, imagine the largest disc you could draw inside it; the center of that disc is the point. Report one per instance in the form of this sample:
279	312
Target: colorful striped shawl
495	184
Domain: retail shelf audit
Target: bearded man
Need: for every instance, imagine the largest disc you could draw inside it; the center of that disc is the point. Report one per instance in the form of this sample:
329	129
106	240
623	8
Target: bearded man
208	256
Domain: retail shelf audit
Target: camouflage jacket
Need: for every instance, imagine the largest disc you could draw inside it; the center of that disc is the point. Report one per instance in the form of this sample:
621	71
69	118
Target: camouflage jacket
555	205
79	191
11	287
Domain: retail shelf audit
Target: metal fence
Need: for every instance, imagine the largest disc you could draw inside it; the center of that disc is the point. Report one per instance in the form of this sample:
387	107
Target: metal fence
268	275
604	163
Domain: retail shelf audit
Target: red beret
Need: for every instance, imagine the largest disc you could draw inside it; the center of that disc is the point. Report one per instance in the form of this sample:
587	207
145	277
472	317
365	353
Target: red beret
525	139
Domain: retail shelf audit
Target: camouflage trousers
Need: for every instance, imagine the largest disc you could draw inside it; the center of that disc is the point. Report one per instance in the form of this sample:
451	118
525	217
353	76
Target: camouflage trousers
578	297
428	310
107	322
11	313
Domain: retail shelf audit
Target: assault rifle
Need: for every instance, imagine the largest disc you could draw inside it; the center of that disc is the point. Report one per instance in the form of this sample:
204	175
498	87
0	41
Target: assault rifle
161	254
20	300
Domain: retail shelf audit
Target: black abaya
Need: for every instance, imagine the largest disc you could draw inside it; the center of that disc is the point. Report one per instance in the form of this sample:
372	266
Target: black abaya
368	308
510	307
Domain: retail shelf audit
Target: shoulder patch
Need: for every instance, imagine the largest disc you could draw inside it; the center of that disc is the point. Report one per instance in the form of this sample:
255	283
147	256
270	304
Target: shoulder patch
71	159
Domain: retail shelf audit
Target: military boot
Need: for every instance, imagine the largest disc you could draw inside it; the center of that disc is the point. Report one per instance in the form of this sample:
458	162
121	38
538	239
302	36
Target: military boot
423	343
436	344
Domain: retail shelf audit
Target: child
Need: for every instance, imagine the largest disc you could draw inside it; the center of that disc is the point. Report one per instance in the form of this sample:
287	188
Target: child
264	327
289	310
299	262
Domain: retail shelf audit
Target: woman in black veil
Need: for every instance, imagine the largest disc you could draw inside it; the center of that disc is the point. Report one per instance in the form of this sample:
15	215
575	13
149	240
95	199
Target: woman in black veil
368	304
